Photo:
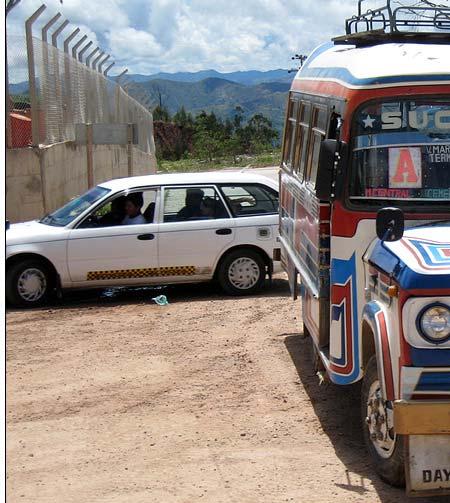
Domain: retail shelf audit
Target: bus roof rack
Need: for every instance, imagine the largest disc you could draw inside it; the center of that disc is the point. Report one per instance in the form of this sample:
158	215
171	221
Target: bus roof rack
429	23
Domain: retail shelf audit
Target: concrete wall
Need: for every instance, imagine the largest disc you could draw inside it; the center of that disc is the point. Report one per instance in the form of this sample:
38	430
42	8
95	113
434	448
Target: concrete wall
23	185
41	180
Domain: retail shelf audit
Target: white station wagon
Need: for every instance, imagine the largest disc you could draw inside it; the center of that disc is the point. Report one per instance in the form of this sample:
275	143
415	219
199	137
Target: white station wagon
156	229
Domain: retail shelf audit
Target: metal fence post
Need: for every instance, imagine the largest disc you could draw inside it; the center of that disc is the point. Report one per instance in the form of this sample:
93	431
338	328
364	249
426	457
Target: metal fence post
68	115
69	39
46	75
47	26
88	59
85	48
118	90
96	60
60	98
75	47
102	62
56	33
32	76
130	148
105	73
89	154
7	99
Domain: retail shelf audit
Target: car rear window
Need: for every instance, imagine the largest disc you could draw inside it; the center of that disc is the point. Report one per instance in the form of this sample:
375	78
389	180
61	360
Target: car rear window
250	199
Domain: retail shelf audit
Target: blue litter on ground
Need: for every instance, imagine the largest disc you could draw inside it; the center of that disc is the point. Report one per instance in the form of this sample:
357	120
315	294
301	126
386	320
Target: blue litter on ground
161	300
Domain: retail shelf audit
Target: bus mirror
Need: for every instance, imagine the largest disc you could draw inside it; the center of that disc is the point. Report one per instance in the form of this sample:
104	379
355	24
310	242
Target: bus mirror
329	176
390	224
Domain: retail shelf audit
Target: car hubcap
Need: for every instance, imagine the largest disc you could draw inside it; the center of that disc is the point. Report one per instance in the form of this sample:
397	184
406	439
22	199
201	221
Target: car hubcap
244	273
380	421
31	284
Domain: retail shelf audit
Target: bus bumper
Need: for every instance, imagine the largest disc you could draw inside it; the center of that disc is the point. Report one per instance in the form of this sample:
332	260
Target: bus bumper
426	426
413	417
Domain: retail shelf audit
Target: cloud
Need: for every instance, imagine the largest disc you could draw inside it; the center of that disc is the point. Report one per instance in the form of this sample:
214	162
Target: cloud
144	43
148	36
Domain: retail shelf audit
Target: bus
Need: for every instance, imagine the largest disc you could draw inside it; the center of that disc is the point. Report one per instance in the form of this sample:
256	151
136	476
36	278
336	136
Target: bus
365	230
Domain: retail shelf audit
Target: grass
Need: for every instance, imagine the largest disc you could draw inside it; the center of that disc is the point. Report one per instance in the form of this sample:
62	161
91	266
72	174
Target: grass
244	161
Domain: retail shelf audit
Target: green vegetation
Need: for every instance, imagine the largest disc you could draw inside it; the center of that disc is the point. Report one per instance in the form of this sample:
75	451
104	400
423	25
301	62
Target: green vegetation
187	143
20	99
189	164
221	97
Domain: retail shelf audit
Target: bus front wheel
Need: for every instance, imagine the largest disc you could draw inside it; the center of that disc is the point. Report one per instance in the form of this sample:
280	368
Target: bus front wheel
384	446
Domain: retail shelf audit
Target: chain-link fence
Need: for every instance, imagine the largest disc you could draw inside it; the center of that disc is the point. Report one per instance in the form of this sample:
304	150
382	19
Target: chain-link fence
70	93
63	99
67	93
18	97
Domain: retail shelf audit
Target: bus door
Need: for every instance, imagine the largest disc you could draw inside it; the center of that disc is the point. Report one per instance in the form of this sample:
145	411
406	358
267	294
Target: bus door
305	226
312	233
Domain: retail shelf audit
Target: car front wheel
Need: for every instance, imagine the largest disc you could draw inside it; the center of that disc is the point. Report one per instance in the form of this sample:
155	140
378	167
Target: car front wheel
242	272
384	446
28	283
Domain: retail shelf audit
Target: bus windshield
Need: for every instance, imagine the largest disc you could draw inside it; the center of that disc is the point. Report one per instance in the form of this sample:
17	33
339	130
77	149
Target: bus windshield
401	150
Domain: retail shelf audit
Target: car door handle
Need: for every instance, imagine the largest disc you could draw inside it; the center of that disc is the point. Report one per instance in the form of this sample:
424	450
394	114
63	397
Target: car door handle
146	237
223	232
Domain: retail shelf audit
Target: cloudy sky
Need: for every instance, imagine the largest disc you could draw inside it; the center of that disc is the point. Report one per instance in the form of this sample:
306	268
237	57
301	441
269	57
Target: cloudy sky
149	36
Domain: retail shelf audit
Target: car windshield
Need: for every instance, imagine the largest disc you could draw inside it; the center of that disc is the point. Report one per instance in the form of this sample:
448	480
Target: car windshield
74	208
401	151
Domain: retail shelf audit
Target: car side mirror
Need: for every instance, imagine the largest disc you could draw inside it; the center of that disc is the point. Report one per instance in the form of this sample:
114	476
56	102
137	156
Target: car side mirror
332	158
7	224
390	224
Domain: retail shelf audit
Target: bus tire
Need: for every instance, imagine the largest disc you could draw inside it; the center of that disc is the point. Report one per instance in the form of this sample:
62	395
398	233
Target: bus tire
384	446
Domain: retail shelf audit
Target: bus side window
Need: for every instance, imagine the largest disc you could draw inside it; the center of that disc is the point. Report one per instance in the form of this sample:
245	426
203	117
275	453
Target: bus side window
334	129
290	134
318	132
304	117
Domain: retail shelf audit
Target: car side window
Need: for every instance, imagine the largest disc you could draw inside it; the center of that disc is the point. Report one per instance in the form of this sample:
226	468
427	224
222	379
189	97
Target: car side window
192	203
250	199
132	208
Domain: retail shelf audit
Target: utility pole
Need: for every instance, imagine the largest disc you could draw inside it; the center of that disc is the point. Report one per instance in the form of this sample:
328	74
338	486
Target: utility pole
298	57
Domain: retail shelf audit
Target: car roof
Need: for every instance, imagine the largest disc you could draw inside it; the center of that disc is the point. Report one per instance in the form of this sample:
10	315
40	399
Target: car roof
213	177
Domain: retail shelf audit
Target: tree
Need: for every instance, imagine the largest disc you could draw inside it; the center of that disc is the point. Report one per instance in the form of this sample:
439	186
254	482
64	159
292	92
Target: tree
183	119
209	136
261	132
160	113
238	117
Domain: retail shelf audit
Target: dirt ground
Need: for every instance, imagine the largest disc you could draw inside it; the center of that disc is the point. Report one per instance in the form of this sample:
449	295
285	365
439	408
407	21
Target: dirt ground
112	398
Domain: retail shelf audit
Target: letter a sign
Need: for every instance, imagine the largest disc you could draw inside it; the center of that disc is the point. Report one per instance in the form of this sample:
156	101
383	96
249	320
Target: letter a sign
405	168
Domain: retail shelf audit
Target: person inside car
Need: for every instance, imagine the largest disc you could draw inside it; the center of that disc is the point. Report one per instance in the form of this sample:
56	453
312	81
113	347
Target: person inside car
193	201
116	215
213	208
133	205
208	207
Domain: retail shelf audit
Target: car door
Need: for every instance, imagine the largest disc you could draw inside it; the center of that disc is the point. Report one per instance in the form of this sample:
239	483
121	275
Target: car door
255	208
196	228
101	251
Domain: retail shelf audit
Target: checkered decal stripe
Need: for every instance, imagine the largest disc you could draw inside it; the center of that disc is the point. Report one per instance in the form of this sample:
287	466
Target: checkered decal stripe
153	272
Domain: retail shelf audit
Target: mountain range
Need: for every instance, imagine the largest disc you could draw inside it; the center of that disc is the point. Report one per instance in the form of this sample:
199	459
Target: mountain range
219	96
247	78
211	91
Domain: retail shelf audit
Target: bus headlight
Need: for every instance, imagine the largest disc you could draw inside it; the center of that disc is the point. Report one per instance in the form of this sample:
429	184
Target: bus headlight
433	323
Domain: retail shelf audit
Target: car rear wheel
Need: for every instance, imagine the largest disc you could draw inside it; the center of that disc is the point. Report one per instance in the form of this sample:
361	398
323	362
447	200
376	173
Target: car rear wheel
242	272
28	283
384	446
